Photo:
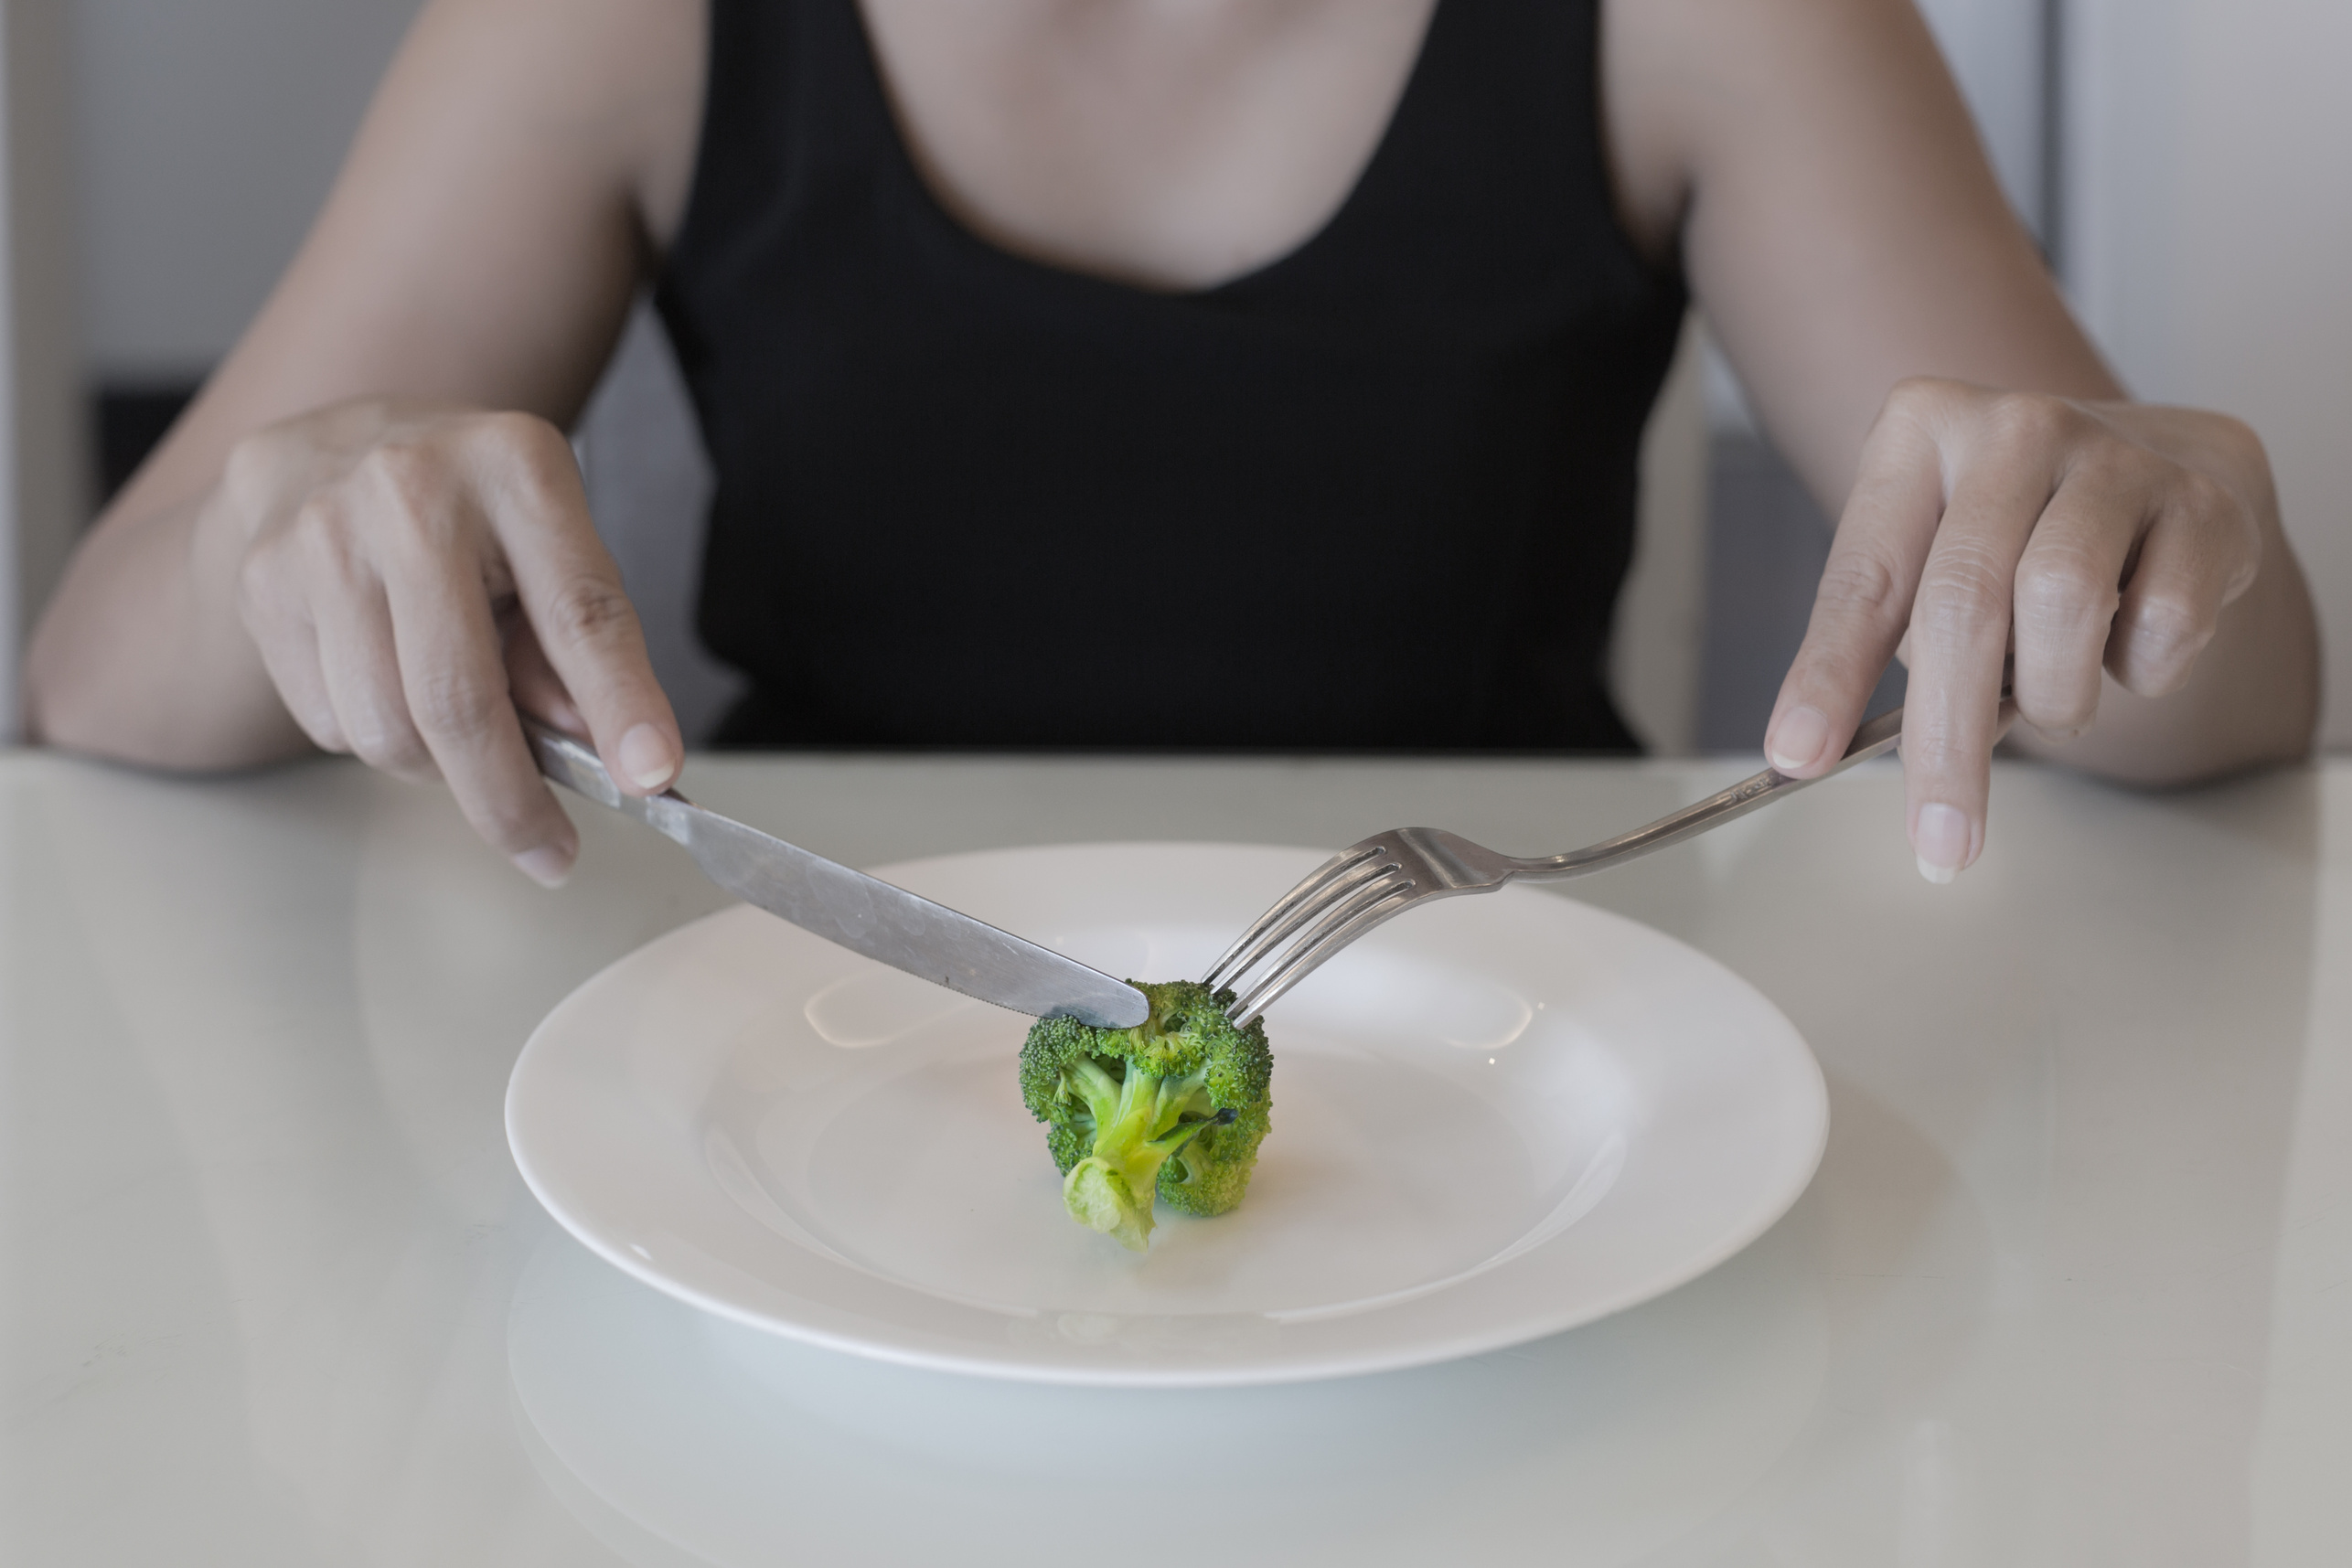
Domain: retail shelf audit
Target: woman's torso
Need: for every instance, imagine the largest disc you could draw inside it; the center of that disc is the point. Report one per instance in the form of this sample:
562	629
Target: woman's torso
1055	417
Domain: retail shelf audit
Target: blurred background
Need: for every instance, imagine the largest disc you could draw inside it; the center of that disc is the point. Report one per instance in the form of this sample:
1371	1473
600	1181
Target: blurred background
2184	161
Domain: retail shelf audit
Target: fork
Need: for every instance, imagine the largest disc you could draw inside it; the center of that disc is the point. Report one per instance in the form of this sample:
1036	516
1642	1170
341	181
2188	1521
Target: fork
1375	879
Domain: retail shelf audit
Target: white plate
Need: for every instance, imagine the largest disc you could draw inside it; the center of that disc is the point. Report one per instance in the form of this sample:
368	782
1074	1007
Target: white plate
1496	1119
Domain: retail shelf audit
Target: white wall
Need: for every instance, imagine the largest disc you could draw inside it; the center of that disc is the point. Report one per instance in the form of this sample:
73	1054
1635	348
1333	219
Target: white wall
42	467
12	615
206	134
2209	241
1995	48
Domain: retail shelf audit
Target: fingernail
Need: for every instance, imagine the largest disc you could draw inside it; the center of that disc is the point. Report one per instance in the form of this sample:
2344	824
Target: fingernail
1942	839
1798	739
547	865
647	758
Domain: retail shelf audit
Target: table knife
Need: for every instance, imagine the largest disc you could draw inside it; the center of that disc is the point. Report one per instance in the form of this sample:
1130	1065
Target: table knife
861	913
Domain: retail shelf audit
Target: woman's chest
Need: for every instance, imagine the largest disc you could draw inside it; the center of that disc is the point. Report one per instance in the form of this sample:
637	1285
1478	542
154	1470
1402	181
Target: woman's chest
1172	144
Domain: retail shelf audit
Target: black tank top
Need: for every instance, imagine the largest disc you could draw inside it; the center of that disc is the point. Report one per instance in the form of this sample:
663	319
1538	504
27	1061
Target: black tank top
1375	495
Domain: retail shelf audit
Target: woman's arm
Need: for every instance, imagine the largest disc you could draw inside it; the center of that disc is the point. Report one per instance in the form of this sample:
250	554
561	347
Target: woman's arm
1907	349
337	542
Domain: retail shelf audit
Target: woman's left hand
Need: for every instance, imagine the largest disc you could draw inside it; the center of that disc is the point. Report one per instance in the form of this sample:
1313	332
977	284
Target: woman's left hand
1999	535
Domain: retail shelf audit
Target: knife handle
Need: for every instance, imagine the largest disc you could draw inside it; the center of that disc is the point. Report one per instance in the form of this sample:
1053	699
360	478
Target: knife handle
576	767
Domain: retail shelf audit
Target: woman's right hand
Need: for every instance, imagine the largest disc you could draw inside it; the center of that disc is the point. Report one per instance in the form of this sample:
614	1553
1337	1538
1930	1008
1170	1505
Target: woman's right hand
411	575
392	577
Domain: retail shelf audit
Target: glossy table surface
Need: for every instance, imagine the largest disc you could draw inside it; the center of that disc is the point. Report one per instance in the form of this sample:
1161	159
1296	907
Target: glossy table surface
2073	1285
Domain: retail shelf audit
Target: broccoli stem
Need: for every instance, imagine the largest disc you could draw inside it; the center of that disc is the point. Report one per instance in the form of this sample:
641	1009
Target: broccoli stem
1139	1122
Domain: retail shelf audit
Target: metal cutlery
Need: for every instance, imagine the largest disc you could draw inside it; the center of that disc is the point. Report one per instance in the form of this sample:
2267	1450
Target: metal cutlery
1375	879
862	913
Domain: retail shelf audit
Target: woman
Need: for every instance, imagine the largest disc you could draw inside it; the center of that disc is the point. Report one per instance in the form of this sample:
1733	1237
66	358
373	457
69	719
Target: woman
1215	372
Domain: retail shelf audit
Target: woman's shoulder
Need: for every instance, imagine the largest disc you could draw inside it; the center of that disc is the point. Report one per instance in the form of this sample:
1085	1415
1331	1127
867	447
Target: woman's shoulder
1757	95
619	82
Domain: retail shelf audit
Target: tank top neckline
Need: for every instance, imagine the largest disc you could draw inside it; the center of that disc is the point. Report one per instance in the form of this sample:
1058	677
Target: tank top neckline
898	159
930	452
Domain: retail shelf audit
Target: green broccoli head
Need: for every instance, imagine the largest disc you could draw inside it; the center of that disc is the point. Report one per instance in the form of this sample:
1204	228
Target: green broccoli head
1176	1105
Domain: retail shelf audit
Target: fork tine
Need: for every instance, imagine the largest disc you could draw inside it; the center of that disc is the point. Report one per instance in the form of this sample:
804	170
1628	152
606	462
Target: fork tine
1291	911
1334	892
1369	907
1306	888
1326	918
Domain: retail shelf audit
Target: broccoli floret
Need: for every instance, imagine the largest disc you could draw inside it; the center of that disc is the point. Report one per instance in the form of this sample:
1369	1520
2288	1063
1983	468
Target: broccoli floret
1176	1105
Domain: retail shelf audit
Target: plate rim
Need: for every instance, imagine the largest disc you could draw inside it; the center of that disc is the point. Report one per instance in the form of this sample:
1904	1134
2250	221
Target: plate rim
1427	1350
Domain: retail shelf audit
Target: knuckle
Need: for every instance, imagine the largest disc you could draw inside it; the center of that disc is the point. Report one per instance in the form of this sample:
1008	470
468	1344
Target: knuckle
1938	751
2230	523
513	429
1857	607
411	484
540	453
2204	499
316	521
409	473
587	609
1964	593
263	572
246	472
2166	630
2117	474
1863	582
319	543
2064	596
2030	421
1916	403
1914	394
2217	507
455	709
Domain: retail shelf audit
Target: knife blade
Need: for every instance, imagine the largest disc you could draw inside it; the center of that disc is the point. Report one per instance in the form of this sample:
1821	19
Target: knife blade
861	913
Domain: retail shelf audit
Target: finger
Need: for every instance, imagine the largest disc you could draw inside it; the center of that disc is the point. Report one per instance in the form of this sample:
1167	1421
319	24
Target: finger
270	603
2201	552
290	655
288	645
362	674
452	669
1960	622
2068	587
570	593
1864	602
538	690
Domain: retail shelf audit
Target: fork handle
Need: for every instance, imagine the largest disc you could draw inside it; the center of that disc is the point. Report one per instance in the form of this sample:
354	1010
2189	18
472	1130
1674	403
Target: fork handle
1875	736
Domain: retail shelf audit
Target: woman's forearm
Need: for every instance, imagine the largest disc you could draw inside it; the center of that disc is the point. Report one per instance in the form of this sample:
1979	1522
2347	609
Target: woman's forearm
140	655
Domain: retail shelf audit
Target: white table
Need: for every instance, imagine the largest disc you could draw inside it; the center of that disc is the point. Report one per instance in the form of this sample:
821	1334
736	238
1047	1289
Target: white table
2074	1285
